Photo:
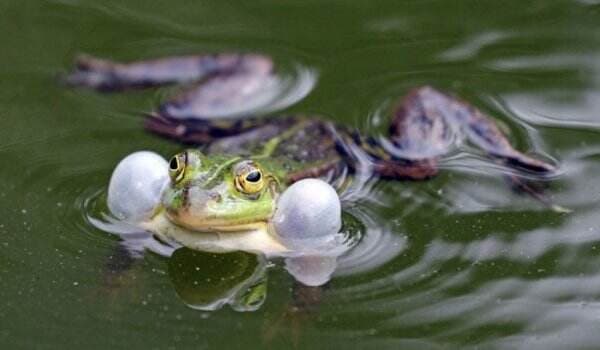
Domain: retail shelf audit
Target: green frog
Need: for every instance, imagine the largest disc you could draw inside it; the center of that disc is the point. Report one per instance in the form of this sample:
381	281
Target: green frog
229	181
223	203
226	191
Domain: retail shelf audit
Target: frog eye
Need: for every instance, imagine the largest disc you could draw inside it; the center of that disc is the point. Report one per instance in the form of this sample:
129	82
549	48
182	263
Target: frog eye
177	167
248	178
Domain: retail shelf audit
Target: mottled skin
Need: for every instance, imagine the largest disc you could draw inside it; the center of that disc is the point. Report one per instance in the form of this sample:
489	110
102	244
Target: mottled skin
424	127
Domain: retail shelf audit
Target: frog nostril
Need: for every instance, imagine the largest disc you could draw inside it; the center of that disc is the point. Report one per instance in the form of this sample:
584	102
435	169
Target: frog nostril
215	197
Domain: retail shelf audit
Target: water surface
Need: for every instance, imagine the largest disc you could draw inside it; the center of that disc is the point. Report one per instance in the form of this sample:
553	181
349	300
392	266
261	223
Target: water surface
470	264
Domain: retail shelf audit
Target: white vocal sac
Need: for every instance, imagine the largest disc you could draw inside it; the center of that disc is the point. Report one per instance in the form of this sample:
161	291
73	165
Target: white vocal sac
136	186
309	209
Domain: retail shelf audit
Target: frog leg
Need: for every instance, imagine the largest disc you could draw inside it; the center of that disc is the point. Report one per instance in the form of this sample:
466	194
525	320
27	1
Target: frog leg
428	123
201	132
105	75
217	85
195	116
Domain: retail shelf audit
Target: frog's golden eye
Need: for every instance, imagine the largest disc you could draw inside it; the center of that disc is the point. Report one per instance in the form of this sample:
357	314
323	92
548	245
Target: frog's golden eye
177	167
248	178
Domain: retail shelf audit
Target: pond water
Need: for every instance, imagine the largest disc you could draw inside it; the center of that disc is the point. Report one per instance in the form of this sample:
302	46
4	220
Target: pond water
457	261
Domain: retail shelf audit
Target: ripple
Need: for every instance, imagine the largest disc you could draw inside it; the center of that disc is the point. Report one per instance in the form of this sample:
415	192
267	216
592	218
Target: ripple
292	87
556	106
287	87
473	45
136	240
378	246
457	261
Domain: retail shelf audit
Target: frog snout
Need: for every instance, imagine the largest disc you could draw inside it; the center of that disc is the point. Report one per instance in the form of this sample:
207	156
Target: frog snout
215	197
199	197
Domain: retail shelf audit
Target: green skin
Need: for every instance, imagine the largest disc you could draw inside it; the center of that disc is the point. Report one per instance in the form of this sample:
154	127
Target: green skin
205	197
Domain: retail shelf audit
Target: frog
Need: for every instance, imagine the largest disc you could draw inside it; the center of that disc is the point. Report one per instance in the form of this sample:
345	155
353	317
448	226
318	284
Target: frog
223	189
227	203
426	123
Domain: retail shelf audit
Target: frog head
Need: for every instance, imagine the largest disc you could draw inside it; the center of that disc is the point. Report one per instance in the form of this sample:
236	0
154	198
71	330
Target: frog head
219	193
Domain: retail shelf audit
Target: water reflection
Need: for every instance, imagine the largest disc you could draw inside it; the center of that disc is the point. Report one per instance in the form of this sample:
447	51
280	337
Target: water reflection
207	281
456	262
472	46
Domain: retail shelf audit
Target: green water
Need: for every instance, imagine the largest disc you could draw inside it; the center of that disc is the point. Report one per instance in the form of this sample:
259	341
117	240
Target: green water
474	265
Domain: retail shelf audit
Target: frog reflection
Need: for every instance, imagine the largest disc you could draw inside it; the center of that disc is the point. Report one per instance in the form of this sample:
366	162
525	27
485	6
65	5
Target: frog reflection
208	281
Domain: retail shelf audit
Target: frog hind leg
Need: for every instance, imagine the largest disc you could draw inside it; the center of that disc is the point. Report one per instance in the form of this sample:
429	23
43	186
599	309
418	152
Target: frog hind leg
198	132
203	111
216	86
110	76
428	123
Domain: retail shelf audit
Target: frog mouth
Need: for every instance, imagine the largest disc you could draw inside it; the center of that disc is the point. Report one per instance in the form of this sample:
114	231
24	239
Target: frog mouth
230	228
246	238
208	224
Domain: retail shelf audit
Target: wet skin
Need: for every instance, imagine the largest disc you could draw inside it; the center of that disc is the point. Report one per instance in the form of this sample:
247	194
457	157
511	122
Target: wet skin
425	126
220	193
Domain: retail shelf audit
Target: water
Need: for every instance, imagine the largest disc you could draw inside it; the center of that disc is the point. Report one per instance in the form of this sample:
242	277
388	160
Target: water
474	264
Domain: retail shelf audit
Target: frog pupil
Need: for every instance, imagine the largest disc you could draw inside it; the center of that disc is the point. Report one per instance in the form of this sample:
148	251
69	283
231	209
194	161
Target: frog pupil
173	164
253	176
